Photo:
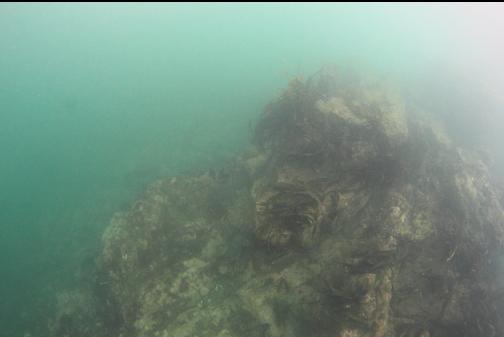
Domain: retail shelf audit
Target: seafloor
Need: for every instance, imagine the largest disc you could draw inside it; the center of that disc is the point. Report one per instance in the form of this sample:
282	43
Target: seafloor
352	214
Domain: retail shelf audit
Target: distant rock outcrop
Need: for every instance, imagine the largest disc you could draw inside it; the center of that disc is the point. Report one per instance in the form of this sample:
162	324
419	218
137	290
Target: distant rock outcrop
352	215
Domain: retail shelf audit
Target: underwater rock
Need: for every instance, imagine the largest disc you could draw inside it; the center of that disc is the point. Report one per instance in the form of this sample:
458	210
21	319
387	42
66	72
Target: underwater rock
352	215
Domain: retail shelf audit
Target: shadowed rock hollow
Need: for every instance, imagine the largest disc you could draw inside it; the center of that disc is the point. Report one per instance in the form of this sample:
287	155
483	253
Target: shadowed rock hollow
351	215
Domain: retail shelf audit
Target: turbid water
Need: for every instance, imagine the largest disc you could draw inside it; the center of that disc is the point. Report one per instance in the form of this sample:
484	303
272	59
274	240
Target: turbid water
99	100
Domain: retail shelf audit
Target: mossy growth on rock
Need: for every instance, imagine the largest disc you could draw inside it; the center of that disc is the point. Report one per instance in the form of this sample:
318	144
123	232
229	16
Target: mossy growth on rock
351	215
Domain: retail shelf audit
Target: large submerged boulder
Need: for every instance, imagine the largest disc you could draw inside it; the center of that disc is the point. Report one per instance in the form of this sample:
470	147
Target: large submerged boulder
351	215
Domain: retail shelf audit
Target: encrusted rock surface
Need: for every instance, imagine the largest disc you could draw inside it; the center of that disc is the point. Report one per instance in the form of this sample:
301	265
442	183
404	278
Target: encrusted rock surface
351	215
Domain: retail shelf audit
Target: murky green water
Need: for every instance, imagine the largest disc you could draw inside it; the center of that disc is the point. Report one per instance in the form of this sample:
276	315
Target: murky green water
96	101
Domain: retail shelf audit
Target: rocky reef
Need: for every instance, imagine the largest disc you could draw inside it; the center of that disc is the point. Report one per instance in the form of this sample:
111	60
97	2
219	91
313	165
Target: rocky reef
352	214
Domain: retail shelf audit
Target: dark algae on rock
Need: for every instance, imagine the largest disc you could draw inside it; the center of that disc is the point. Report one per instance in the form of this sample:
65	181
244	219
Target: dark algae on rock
352	214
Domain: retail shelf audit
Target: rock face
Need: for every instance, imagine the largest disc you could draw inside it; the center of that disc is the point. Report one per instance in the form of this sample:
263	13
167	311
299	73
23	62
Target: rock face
352	215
